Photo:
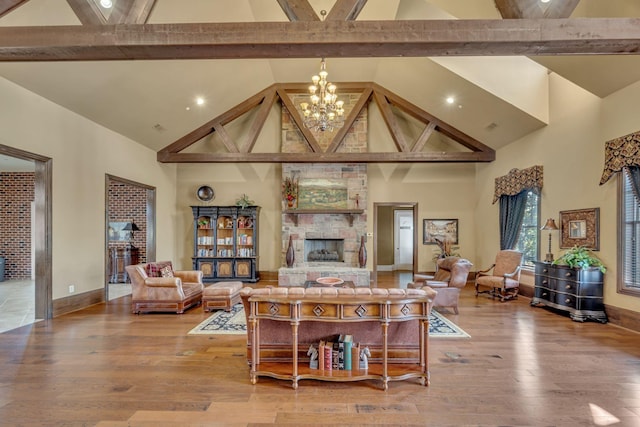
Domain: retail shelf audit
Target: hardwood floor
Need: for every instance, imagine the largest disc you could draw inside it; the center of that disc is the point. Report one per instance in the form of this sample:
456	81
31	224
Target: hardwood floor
522	366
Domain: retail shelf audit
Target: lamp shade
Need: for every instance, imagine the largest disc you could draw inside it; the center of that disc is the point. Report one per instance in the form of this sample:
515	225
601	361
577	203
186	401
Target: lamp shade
550	225
131	226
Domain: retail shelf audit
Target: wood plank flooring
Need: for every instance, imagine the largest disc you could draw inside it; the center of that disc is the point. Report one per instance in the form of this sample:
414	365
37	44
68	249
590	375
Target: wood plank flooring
522	366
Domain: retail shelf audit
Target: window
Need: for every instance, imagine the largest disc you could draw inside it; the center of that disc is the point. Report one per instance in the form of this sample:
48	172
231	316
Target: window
529	232
629	235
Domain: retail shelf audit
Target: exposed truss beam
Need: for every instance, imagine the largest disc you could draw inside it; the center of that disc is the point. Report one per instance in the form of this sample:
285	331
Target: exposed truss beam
7	6
330	39
346	10
241	152
533	9
298	10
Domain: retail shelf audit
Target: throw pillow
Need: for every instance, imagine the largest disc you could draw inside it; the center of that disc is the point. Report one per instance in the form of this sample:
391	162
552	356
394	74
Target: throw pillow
153	268
166	271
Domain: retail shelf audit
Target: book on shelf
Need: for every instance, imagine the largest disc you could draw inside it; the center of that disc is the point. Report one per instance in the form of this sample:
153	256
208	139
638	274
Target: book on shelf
347	341
321	354
328	356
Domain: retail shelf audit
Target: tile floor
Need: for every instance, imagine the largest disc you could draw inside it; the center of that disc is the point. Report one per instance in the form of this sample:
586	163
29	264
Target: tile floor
17	302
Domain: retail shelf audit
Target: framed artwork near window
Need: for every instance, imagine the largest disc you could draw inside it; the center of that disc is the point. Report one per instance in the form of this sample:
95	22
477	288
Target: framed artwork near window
441	229
117	232
580	227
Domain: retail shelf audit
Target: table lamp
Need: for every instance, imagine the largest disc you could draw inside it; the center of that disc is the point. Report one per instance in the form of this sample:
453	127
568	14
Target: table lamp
550	226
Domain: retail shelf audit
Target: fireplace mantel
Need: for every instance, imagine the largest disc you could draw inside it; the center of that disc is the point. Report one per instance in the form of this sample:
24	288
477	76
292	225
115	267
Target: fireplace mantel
349	213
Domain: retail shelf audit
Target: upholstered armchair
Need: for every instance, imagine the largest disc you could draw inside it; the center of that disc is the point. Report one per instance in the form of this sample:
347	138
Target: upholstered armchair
449	279
163	289
503	277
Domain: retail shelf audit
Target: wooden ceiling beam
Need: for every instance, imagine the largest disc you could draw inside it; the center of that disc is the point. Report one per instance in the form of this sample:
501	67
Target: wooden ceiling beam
298	10
346	10
423	157
592	36
7	6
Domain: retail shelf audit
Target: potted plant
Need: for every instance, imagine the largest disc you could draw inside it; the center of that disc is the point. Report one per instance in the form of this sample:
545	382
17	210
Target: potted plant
580	257
445	249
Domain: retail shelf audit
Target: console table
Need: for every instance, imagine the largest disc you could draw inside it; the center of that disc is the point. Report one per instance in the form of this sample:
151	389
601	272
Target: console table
295	311
577	291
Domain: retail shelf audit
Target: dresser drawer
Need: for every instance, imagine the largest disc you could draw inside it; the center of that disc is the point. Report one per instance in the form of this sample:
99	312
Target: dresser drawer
566	300
567	287
544	294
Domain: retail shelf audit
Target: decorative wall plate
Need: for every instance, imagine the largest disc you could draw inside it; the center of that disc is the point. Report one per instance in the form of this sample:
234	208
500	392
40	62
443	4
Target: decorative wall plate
205	193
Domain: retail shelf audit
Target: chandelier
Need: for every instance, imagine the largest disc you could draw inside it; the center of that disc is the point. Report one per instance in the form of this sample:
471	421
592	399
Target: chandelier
324	111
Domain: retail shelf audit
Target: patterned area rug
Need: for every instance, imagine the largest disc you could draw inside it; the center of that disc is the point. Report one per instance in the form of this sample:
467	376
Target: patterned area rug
234	322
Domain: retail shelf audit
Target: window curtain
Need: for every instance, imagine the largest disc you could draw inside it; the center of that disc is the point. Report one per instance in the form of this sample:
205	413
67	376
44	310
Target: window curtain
633	172
511	214
620	154
511	190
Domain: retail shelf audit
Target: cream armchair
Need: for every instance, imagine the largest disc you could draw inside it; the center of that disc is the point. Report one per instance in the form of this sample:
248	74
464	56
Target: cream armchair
448	281
503	277
168	294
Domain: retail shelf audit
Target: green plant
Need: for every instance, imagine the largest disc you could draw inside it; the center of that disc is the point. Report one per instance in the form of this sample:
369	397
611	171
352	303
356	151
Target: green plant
244	201
580	257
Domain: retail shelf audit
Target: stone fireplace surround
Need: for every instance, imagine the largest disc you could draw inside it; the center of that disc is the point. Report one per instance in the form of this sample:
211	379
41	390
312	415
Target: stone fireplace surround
325	225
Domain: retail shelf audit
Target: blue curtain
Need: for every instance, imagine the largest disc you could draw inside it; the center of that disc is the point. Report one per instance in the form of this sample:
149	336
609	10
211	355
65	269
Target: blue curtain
633	172
511	214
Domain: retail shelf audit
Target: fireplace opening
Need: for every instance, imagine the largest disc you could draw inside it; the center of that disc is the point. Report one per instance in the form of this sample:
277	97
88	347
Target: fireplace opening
324	250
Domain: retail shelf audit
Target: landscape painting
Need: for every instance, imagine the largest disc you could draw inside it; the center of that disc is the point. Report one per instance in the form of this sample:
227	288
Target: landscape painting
322	193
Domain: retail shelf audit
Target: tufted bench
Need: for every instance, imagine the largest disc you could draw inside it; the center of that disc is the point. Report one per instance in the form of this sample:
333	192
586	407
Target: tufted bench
221	295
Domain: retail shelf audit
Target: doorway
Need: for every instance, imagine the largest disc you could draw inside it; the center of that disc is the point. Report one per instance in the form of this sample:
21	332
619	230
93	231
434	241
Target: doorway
386	241
41	239
130	229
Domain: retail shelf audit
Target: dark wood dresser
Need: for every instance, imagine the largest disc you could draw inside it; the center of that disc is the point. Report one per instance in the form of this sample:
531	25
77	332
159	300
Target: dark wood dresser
577	291
119	258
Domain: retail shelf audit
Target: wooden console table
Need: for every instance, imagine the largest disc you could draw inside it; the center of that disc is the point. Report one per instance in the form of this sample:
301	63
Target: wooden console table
294	311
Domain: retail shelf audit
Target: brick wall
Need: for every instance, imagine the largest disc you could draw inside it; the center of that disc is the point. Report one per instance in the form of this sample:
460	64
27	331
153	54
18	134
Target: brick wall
16	196
127	203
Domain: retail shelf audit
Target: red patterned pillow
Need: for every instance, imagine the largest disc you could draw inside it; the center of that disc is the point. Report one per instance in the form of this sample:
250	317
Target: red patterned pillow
153	268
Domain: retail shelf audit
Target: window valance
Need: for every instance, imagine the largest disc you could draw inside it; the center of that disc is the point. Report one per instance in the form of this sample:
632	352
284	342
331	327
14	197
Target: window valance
620	153
518	180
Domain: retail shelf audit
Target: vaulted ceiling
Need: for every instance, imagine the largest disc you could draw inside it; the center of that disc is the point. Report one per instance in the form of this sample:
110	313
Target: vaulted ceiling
142	81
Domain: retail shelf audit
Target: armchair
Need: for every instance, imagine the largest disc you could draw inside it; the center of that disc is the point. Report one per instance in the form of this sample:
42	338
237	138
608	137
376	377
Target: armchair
174	293
448	281
504	280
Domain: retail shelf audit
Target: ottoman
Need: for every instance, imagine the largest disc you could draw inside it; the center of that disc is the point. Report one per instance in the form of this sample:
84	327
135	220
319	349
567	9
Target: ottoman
221	295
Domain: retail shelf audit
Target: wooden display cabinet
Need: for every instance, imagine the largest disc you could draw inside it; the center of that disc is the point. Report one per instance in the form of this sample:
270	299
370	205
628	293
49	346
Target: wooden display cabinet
226	242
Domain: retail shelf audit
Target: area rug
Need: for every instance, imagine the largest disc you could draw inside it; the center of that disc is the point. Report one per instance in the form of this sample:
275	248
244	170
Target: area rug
234	323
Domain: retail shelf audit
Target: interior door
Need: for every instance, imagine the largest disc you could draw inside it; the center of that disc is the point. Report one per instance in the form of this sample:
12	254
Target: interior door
403	239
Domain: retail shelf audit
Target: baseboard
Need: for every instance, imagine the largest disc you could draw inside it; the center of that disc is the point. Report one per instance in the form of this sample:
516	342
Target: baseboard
384	267
77	301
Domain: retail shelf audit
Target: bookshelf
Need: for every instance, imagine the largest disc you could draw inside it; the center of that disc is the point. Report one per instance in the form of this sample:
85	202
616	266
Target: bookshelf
225	242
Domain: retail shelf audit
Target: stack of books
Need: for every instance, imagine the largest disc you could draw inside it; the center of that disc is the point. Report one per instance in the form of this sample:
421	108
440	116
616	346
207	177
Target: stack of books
338	353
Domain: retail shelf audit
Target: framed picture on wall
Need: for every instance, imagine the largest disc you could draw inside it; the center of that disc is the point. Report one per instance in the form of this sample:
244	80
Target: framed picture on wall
580	227
441	229
117	232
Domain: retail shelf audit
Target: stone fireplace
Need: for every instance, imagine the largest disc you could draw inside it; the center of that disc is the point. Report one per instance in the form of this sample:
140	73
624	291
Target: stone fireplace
341	225
326	241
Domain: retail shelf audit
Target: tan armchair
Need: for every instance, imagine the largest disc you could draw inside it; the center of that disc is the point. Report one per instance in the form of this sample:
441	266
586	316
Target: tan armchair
504	280
169	294
448	281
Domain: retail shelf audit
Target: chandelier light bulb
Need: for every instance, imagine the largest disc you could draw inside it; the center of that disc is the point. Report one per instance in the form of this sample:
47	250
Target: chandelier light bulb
106	4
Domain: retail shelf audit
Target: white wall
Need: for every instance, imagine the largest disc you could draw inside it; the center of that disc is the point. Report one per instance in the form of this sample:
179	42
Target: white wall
83	152
571	150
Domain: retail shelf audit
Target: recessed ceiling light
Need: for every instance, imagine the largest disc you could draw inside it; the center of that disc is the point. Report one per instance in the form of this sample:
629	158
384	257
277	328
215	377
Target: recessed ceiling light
106	4
545	1
200	100
450	100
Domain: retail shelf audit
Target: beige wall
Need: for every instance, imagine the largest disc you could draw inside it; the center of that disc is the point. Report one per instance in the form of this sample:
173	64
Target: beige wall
82	154
571	150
